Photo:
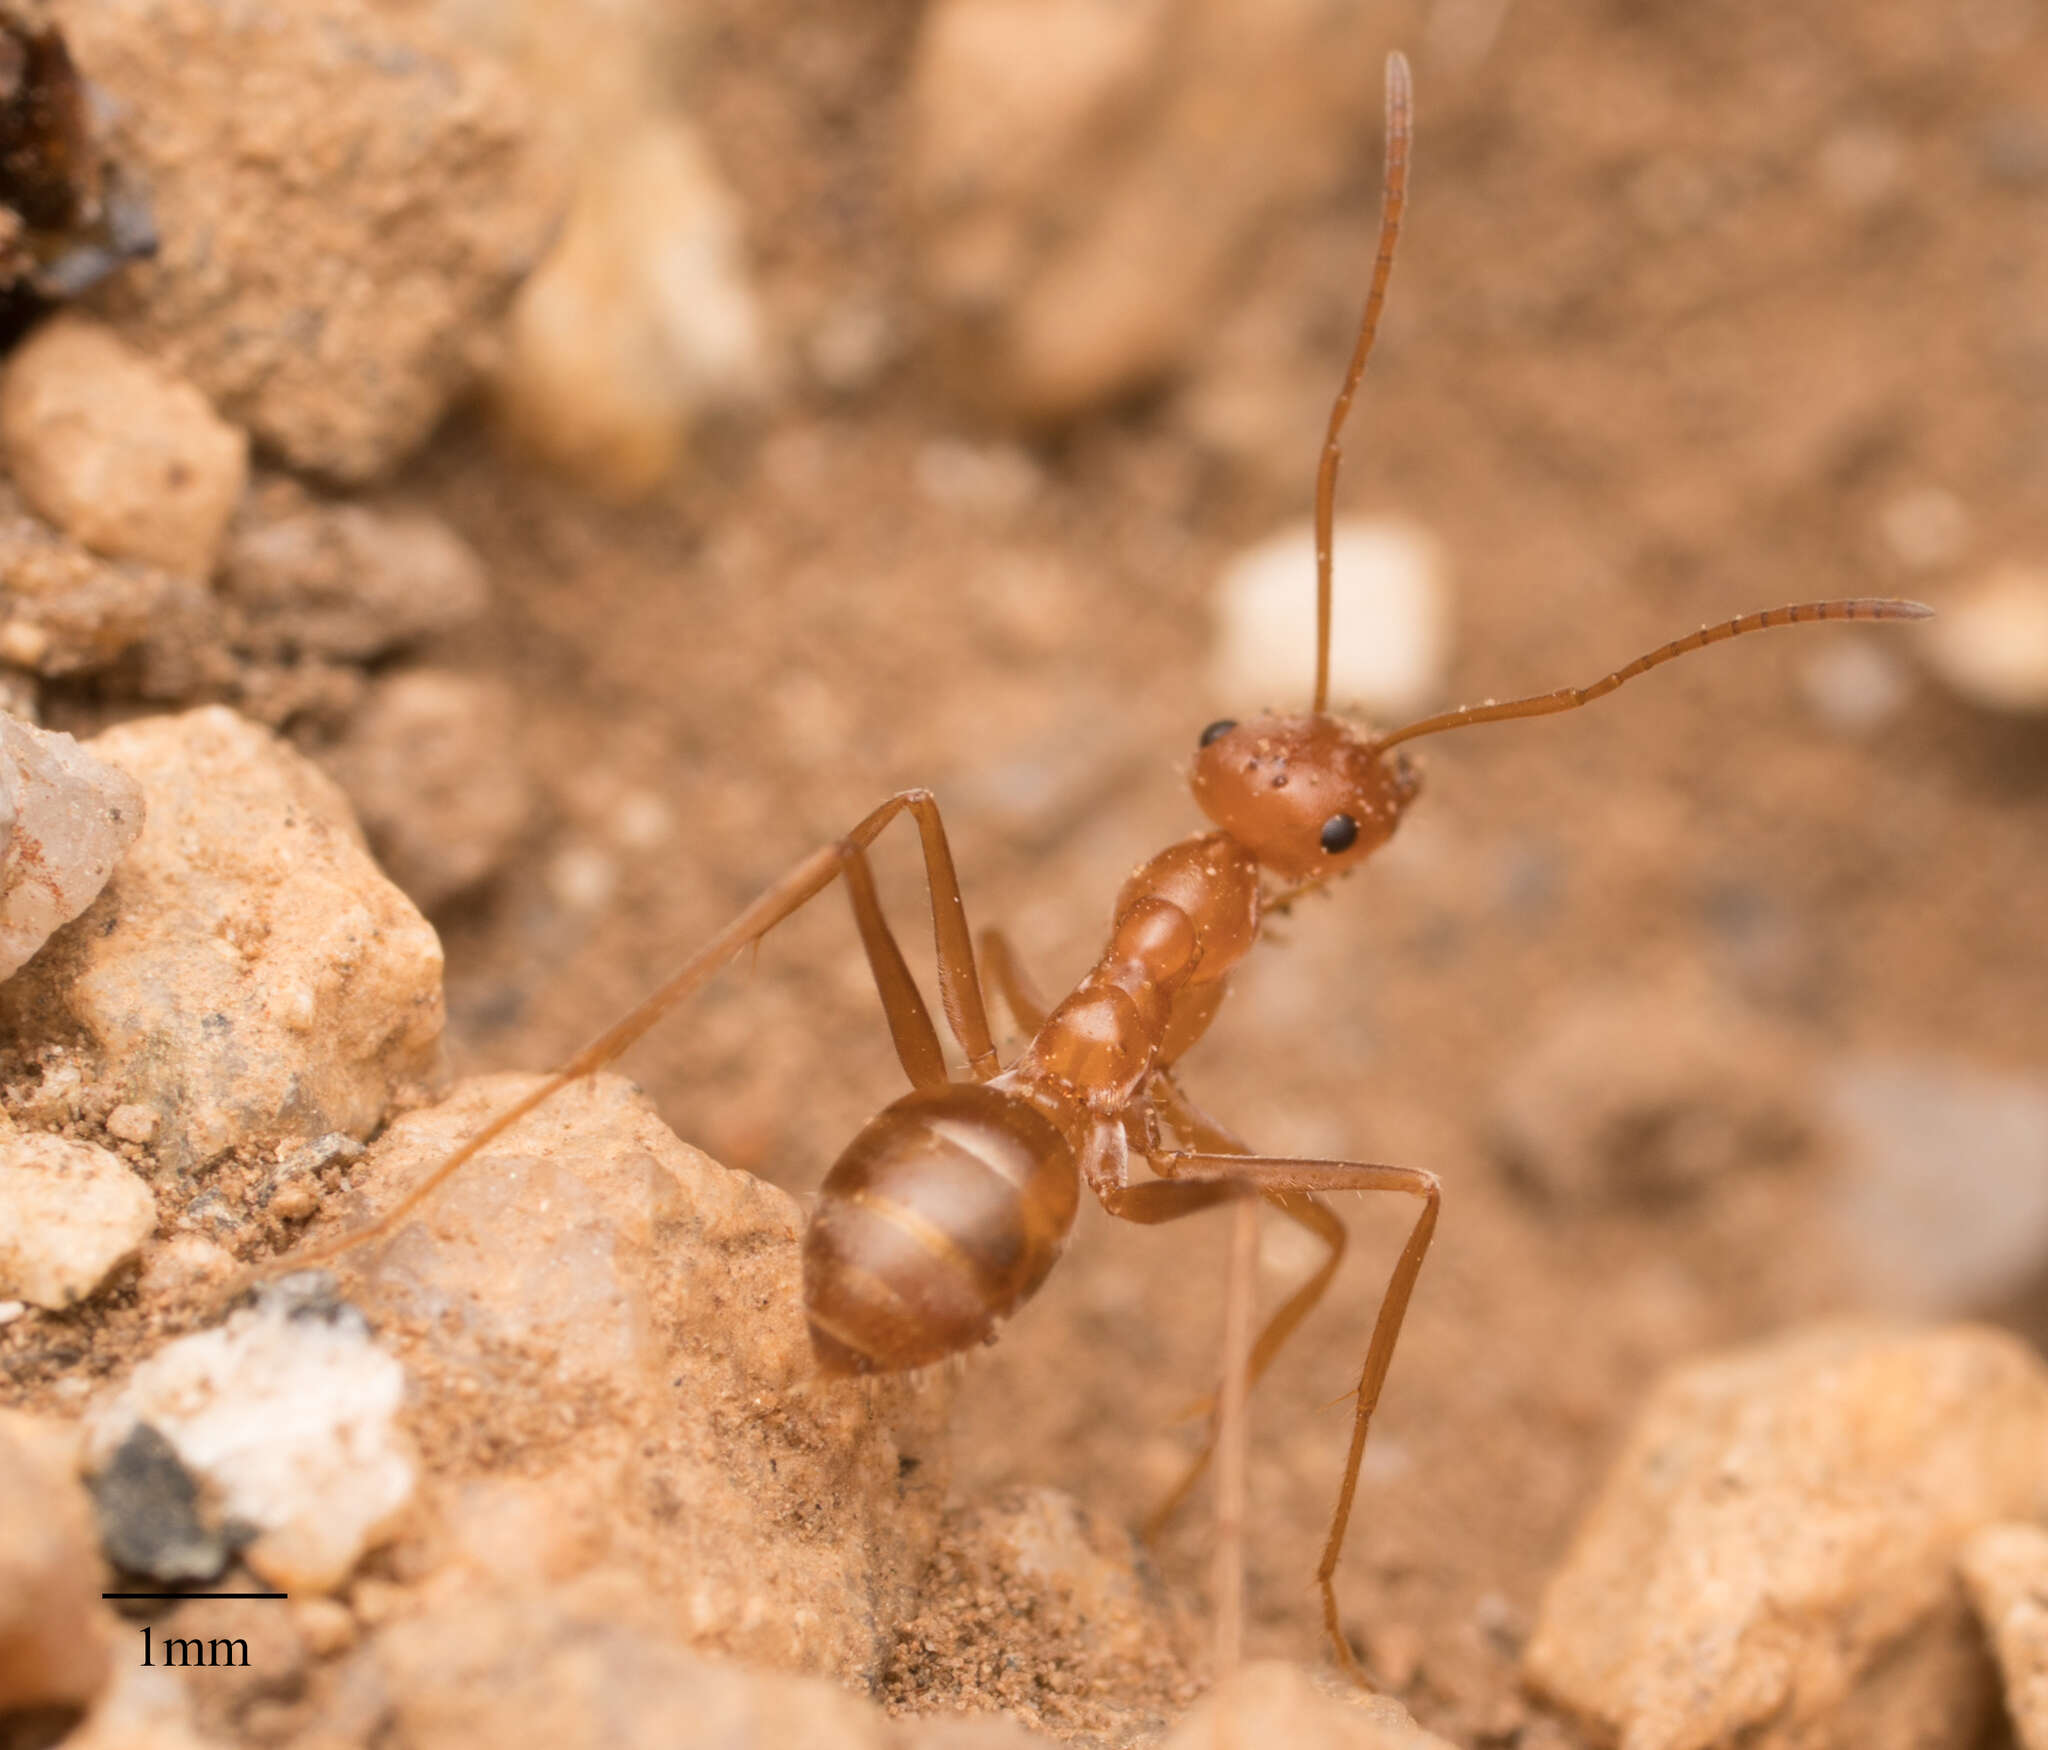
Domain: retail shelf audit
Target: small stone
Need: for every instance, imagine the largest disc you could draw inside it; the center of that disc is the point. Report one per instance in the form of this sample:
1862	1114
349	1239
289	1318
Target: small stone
118	451
183	1265
1854	686
70	1215
294	1202
1943	1203
2006	1570
641	317
143	1708
582	878
288	1416
248	972
55	1649
1389	627
1925	528
325	577
332	247
1991	644
10	1310
148	1507
131	1123
67	818
1630	1095
1271	1703
325	1625
1772	1558
432	764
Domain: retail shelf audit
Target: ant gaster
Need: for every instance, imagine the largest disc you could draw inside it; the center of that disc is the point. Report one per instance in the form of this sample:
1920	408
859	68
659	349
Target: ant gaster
949	1208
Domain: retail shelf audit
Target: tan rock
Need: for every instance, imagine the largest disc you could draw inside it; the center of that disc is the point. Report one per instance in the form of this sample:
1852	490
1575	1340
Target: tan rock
118	451
345	197
641	317
66	819
588	1673
432	764
55	1645
2006	1570
143	1709
611	1338
247	973
70	1215
325	577
1269	1703
1773	1557
1087	180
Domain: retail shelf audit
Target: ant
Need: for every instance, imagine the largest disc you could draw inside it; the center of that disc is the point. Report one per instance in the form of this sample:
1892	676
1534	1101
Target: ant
947	1211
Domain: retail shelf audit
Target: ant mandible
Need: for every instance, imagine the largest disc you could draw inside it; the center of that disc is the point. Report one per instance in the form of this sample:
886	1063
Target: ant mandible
949	1208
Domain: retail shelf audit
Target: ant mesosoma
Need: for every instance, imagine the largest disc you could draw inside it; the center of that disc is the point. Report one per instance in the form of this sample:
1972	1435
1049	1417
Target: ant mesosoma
949	1208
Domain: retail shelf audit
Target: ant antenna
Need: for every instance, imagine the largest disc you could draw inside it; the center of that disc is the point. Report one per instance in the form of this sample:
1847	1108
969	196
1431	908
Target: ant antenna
1393	198
1571	698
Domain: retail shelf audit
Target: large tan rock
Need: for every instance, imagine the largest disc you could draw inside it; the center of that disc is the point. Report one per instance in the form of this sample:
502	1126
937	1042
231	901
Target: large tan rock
612	1368
2006	1569
247	974
118	451
345	198
1773	1558
70	1214
1088	179
55	1649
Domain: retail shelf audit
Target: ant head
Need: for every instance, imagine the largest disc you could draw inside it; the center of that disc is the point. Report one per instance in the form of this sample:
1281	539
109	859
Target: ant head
1309	797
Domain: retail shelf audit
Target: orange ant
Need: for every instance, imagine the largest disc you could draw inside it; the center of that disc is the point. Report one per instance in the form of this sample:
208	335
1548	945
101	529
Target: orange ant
949	1208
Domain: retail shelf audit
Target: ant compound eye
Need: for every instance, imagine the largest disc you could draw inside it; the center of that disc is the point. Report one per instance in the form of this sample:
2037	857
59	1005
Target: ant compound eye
1340	833
1220	728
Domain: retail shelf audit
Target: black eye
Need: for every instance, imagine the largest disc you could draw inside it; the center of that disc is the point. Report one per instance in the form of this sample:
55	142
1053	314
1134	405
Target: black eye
1340	833
1221	727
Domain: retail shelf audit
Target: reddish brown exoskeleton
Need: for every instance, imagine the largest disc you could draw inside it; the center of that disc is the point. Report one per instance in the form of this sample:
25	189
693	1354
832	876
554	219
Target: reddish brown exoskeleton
949	1208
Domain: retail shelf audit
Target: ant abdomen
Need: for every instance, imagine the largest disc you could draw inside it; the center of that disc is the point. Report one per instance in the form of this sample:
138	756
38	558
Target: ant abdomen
941	1218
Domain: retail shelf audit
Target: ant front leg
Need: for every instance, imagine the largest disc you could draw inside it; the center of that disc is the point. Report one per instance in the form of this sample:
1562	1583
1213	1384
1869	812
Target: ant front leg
1222	1175
910	1024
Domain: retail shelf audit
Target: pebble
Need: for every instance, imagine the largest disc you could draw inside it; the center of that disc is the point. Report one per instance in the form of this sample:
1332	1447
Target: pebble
248	973
642	316
55	1648
344	579
332	247
67	610
1628	1094
1943	1203
70	1215
144	1708
432	764
148	1508
1925	528
67	818
287	1416
1772	1557
2006	1570
1990	643
130	1123
1271	1703
1389	629
1087	182
593	1263
117	450
1854	686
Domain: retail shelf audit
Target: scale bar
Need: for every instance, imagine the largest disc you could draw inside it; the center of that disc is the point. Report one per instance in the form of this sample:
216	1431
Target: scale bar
195	1594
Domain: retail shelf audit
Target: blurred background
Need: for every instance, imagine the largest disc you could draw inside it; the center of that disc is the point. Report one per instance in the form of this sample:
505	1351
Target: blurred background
908	397
930	450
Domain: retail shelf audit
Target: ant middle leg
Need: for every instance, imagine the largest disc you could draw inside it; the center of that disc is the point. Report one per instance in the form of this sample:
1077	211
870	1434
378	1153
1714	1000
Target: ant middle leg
910	1024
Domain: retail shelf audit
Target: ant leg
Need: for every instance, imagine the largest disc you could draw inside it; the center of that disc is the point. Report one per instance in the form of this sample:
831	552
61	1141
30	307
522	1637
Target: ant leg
959	988
1221	1175
1020	996
1303	1207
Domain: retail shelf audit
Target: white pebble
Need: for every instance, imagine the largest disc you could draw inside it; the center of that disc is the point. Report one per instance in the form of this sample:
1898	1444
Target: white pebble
582	878
1925	528
290	1419
1390	620
131	1123
66	819
69	1214
10	1310
1853	686
1991	645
